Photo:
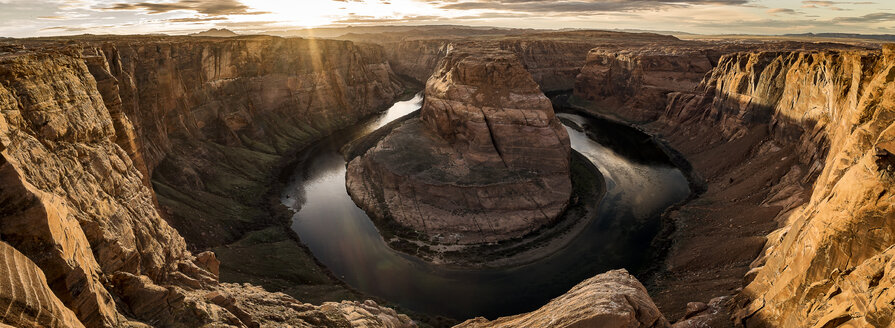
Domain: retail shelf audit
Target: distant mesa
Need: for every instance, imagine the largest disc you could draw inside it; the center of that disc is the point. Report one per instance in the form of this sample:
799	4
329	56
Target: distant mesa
217	33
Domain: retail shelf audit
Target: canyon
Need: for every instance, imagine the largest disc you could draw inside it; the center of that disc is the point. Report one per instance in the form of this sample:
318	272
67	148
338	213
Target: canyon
140	173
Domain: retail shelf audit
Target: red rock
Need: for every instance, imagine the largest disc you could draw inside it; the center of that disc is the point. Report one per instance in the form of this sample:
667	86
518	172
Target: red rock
486	161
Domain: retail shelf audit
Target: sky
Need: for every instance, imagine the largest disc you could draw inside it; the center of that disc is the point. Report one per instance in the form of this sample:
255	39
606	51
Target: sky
27	18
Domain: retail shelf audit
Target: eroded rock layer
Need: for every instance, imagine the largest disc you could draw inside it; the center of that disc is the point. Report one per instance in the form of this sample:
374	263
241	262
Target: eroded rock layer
831	261
554	59
612	299
486	161
797	141
76	202
213	118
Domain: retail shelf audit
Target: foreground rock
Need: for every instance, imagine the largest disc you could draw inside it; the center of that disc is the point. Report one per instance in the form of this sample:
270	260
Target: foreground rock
611	299
486	161
26	298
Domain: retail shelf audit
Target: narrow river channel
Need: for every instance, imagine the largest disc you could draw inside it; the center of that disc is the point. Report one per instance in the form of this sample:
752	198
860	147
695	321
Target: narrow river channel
344	239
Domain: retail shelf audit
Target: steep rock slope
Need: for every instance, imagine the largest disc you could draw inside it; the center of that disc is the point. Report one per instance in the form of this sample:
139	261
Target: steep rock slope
631	81
76	204
831	261
611	299
486	161
796	140
635	82
214	118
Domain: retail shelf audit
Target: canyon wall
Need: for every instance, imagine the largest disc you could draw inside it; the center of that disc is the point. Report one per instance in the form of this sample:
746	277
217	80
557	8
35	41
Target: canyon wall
831	261
214	118
798	141
83	125
791	148
634	83
554	59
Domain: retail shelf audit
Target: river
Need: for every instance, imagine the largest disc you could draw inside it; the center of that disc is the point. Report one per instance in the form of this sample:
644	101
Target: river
639	186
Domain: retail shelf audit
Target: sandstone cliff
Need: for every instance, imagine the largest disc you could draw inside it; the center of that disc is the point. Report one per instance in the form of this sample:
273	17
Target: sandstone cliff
632	80
554	59
76	201
214	118
487	160
795	140
633	83
831	261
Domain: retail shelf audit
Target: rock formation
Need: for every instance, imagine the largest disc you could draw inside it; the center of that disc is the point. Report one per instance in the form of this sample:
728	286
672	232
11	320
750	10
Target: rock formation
791	140
76	203
554	59
830	263
486	161
215	118
611	299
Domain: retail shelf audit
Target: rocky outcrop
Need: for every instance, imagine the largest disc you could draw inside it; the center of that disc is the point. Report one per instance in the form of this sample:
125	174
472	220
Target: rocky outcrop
76	202
611	299
793	149
486	161
828	262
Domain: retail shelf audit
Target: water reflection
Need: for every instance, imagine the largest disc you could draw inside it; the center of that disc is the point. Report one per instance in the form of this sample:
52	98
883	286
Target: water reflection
342	237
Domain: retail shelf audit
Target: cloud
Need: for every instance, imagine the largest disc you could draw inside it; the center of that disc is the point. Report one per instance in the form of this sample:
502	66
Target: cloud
357	19
832	5
786	11
196	19
206	7
568	6
869	18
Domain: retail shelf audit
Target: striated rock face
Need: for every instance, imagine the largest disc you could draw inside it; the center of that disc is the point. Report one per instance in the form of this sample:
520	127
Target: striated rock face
486	161
75	200
554	59
828	263
633	83
797	142
26	299
214	118
611	299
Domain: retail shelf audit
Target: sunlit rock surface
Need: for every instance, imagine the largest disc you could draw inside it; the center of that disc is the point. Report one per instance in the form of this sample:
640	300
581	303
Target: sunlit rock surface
612	299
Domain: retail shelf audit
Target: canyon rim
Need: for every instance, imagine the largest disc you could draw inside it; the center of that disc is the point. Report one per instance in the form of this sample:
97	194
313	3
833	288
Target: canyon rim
381	168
